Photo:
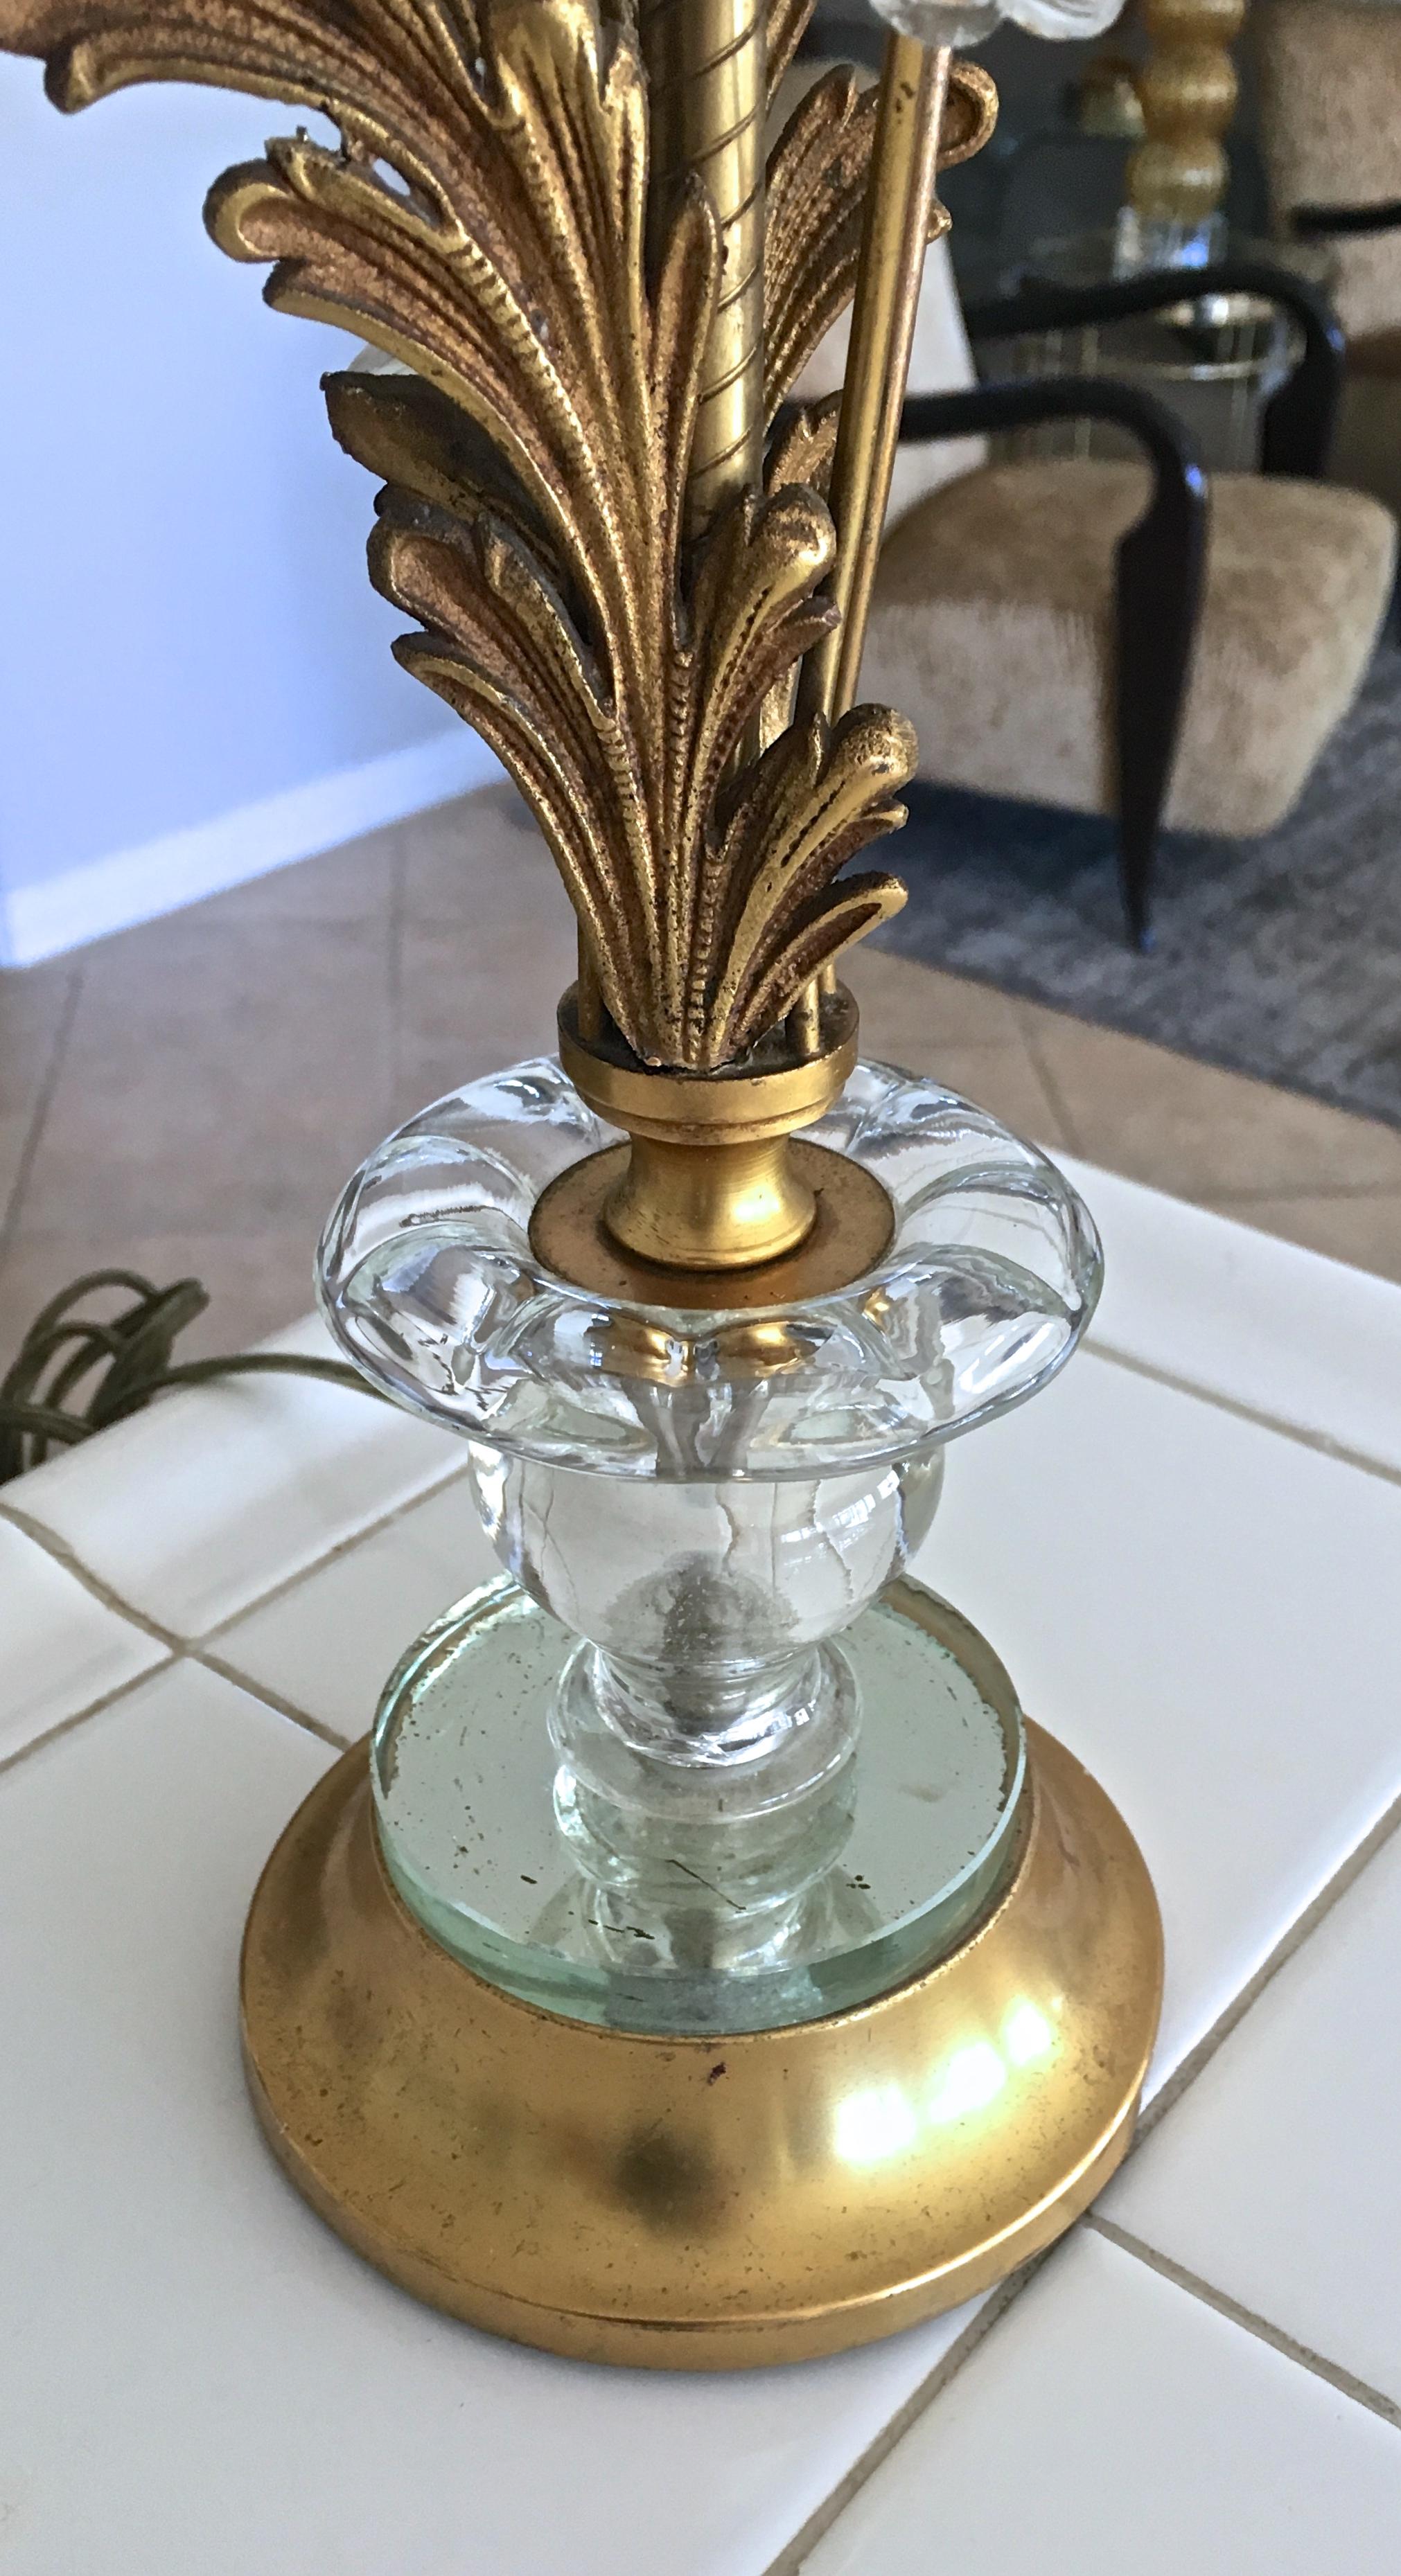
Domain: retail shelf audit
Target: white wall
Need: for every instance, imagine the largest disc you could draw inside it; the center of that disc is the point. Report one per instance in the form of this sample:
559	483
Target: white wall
195	680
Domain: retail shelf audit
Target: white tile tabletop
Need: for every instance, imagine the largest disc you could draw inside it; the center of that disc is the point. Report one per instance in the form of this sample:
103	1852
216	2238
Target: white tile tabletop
328	1644
1275	2178
192	1510
1199	1607
1186	1585
198	2379
1263	1323
1110	2423
61	1650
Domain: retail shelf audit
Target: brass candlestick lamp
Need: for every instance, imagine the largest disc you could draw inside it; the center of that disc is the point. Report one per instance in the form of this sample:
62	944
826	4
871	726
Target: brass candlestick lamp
705	1963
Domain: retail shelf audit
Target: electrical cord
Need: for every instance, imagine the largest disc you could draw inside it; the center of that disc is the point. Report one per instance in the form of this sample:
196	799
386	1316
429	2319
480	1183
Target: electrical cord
41	1394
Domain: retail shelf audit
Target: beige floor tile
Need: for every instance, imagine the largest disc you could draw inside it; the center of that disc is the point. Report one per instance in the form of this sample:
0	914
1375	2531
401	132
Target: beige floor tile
476	999
477	861
356	882
216	1080
34	1002
965	1034
908	1009
255	1283
487	945
35	1007
1364	1230
1004	1080
1202	1133
15	1128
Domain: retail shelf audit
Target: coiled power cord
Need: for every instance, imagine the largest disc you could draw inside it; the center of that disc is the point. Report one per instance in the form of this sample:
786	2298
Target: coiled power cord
74	1375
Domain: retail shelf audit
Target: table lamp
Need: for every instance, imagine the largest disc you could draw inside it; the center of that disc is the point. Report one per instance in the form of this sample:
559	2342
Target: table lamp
705	1963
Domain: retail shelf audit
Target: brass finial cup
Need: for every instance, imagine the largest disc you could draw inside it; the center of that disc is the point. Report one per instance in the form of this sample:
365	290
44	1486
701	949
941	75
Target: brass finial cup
715	1200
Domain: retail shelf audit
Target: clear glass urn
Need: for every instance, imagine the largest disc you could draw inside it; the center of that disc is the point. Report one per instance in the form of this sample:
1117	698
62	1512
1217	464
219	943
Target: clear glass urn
705	1759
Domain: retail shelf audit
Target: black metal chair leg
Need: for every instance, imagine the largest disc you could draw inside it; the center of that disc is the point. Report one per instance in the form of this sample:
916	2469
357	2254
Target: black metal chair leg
1158	592
1138	848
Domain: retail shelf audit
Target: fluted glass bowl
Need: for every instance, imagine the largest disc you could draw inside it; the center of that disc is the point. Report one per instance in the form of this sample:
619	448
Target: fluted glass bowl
428	1282
706	1508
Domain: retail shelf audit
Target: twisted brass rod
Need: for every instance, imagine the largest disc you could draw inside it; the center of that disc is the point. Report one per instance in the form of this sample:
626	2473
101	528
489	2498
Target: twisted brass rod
706	73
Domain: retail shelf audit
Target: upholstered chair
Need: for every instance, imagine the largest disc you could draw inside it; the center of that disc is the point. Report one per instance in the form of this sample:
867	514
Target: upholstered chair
1330	131
1113	637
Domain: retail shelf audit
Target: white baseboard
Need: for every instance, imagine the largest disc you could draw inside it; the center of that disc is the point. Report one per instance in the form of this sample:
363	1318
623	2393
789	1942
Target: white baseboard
135	885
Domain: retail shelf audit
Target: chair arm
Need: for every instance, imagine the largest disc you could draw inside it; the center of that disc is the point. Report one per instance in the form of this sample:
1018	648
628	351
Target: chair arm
1026	400
1314	223
1298	420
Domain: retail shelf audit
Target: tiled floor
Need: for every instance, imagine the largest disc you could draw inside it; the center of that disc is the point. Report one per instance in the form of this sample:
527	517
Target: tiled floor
189	1097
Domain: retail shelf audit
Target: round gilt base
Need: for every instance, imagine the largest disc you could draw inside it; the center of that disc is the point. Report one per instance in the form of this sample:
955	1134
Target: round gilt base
695	2203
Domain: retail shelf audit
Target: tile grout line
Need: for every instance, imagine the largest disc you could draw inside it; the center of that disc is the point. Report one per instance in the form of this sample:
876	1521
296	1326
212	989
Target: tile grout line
58	1056
340	1547
1345	2381
1335	1196
1321	1442
195	1650
180	1653
51	1545
200	1649
1185	2074
793	2555
63	1553
1290	1942
270	1698
78	1717
60	1549
1051	1087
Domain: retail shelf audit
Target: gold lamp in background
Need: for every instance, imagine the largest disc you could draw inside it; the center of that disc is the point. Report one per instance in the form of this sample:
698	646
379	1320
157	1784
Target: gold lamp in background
705	1963
1176	178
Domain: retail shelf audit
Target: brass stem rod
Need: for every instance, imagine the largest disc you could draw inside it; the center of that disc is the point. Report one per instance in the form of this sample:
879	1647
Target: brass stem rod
706	69
894	241
894	245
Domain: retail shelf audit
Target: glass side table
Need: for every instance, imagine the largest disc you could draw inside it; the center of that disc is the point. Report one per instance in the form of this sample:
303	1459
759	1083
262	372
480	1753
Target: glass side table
1215	360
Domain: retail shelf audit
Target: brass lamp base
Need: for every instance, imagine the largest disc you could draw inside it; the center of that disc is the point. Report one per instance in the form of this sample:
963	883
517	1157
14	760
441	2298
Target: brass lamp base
696	2203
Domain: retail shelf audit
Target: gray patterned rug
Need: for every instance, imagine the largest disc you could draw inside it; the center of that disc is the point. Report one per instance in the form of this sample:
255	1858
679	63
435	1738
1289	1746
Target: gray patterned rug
1279	957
